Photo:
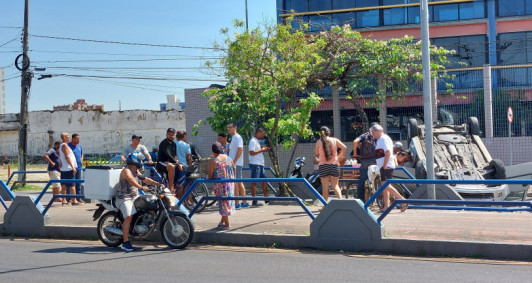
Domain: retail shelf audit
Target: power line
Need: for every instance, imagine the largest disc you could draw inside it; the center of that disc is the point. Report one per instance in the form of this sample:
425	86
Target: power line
8	42
139	78
126	60
124	43
130	68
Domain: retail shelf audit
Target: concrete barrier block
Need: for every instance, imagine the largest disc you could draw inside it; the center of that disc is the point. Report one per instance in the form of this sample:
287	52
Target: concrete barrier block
24	218
3	193
345	225
443	192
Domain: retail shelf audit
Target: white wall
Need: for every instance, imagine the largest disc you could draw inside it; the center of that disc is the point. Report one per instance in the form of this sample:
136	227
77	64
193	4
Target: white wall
100	132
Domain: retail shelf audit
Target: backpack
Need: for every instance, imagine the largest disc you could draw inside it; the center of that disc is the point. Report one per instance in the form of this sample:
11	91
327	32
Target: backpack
367	146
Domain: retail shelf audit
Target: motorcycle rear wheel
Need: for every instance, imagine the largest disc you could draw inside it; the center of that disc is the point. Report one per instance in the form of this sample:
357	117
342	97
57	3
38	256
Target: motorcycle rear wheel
181	236
199	191
112	219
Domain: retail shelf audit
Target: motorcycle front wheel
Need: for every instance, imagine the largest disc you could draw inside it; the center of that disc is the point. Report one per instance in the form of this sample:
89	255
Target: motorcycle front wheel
110	221
178	235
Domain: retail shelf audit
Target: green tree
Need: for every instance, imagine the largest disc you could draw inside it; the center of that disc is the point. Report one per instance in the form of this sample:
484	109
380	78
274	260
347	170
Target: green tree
383	67
268	70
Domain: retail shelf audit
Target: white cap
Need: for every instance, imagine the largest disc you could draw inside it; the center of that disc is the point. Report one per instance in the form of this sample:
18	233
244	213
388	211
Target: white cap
398	144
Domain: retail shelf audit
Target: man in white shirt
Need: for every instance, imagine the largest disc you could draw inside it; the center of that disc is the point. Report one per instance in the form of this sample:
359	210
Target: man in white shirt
256	163
236	149
386	163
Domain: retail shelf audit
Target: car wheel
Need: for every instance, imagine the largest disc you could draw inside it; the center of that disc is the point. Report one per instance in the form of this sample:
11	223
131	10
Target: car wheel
499	170
412	128
473	127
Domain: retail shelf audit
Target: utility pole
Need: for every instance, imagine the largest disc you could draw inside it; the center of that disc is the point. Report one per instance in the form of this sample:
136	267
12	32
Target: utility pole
246	15
25	92
427	96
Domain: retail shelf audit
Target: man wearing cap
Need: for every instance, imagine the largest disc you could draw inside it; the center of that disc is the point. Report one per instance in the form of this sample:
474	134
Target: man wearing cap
135	146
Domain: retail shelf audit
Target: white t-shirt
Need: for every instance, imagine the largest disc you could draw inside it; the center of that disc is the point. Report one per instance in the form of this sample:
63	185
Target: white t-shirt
236	142
64	164
384	143
257	159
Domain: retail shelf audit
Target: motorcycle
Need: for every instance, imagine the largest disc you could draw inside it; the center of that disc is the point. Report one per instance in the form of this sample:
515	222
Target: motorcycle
313	178
154	210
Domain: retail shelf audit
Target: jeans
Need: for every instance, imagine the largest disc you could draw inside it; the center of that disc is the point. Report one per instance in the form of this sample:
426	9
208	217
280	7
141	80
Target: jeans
78	177
257	171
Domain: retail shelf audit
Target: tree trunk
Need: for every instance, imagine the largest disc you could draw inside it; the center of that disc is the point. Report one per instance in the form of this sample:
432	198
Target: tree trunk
360	110
283	187
292	156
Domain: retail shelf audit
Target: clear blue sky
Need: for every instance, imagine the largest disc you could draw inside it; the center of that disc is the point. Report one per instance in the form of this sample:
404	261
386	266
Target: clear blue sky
162	22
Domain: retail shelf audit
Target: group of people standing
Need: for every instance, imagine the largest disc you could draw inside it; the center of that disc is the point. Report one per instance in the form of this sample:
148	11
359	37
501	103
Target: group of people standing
65	161
371	148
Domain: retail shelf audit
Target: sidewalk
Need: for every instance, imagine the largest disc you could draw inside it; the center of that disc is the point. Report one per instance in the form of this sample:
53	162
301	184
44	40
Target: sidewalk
497	227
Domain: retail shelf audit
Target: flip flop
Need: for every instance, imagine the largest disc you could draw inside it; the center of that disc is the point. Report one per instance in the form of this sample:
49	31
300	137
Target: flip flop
404	207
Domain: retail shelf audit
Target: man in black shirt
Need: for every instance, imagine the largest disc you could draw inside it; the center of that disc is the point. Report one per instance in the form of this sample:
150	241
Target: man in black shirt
167	160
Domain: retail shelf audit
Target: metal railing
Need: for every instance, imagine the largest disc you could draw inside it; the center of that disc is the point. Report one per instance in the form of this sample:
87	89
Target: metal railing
24	172
473	205
7	189
58	196
266	169
57	181
252	180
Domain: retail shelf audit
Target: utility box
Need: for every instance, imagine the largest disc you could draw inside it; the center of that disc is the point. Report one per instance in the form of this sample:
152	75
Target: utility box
101	181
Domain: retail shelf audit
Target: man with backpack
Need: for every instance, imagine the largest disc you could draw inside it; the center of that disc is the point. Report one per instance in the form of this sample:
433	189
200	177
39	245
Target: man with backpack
364	151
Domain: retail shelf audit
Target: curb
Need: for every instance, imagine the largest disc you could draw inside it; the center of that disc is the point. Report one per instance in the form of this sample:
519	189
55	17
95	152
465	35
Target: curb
413	247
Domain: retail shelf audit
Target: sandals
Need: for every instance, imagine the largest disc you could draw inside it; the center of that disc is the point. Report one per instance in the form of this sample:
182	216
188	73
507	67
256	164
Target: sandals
404	207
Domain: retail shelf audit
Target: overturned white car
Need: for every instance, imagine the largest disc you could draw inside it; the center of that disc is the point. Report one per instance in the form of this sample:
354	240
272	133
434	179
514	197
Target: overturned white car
459	154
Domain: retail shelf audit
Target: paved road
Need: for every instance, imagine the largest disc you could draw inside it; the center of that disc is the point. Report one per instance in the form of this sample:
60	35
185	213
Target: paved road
88	261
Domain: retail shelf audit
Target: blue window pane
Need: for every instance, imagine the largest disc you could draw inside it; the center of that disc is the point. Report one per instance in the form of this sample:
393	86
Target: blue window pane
529	47
445	12
528	7
297	5
511	8
368	18
341	19
394	16
319	5
343	4
366	3
414	16
318	23
512	48
472	10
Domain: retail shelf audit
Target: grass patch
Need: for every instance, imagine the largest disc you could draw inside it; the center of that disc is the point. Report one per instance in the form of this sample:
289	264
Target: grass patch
18	187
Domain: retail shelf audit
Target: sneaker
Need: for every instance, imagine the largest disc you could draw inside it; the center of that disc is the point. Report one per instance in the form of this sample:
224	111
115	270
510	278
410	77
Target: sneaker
126	246
237	207
244	205
256	203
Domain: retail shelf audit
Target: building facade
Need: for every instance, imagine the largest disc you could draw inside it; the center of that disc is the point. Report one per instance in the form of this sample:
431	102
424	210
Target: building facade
497	33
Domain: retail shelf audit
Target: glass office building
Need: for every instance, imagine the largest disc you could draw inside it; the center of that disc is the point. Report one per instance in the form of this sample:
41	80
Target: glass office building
482	32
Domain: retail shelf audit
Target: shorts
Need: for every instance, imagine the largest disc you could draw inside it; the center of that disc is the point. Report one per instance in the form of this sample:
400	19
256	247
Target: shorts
55	175
125	205
386	173
327	170
257	171
238	173
67	175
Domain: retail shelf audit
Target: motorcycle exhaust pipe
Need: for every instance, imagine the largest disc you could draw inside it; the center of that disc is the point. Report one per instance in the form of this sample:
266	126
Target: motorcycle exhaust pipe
113	230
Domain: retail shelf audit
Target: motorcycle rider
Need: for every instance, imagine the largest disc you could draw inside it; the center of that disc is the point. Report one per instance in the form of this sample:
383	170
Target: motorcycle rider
127	192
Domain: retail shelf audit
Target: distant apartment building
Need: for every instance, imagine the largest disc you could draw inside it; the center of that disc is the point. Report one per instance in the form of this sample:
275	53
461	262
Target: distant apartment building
80	104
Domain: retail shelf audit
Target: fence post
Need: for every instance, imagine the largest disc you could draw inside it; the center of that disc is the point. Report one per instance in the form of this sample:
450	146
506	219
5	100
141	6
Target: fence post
434	90
488	102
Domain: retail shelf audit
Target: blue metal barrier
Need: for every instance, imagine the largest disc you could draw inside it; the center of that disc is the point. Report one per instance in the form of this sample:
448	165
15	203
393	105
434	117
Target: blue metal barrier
58	196
456	202
57	181
23	172
250	180
3	202
273	173
400	168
